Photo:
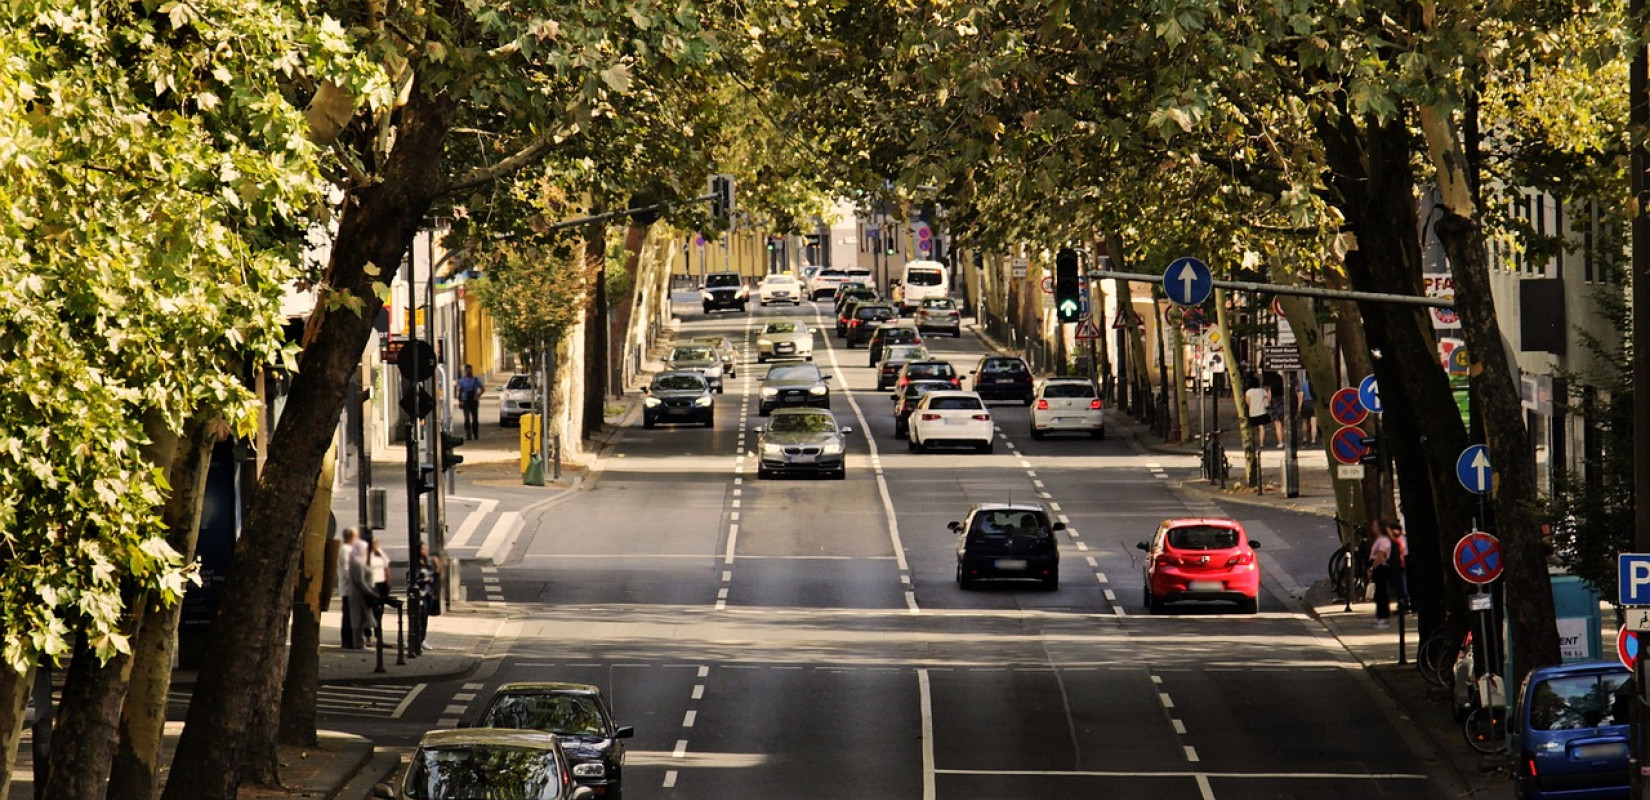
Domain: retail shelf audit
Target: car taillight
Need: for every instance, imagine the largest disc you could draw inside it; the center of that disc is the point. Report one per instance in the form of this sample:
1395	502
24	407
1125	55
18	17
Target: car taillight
853	323
1094	405
930	417
1529	762
1166	560
983	417
957	382
1042	405
1240	560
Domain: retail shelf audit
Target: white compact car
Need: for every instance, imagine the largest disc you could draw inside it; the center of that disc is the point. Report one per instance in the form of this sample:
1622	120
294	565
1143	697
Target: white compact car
780	288
1067	405
515	399
785	339
951	418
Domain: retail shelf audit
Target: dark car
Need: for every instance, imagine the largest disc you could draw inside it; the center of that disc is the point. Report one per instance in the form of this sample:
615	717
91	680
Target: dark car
1003	378
891	334
794	385
1571	730
845	308
488	762
579	716
928	370
866	319
906	399
801	441
847	288
679	397
724	290
1003	541
724	348
894	358
939	314
699	358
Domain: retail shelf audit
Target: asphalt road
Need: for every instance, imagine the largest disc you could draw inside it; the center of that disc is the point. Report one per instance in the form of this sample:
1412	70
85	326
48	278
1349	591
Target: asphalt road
806	639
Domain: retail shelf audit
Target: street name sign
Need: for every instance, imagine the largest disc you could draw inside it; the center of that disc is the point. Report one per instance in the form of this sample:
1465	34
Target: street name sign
1369	394
1346	408
1188	282
1473	469
1633	578
1477	557
1282	357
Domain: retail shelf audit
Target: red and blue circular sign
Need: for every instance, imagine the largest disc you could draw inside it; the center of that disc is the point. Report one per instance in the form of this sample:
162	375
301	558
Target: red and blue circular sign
1627	647
1477	557
1346	407
1348	445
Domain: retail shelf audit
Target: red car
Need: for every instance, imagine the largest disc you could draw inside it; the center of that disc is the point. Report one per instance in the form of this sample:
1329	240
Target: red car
1201	559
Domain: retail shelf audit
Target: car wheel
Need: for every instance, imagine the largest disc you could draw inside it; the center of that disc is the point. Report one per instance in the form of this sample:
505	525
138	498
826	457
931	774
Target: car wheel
707	309
1051	583
647	422
796	302
989	447
710	421
841	474
1036	434
963	583
720	388
1100	434
741	306
764	411
761	359
900	432
1153	605
911	444
809	357
1249	605
763	474
1026	401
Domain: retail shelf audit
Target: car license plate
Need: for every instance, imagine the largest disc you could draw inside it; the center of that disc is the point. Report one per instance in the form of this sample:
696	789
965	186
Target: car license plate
955	421
1599	751
1206	586
1011	564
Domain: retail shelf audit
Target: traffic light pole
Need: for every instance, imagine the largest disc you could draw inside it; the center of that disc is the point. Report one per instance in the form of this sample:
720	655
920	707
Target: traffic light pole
415	481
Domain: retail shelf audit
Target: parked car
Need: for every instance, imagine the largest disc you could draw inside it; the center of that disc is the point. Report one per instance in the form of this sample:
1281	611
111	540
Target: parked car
725	349
678	397
515	398
724	290
794	385
781	287
1201	558
939	315
822	286
928	370
579	716
1570	729
951	418
1003	378
1003	541
865	320
487	762
785	339
801	441
1067	405
906	399
894	358
894	333
697	358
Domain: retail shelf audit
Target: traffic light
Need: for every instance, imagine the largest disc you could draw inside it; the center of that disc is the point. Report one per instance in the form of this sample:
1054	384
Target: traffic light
450	459
426	479
721	202
890	240
1372	450
1068	289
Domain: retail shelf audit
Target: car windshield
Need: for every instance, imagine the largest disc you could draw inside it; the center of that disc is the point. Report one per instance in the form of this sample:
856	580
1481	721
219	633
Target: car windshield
1013	365
780	327
929	369
496	772
874	312
714	281
1580	701
561	714
1068	390
955	404
519	382
796	373
923	277
940	305
678	383
1203	537
1009	523
691	354
802	423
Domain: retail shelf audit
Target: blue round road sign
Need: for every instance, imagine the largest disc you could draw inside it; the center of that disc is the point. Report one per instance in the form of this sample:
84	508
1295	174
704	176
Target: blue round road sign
1473	469
1369	394
1346	408
1188	282
1627	647
1478	557
1348	445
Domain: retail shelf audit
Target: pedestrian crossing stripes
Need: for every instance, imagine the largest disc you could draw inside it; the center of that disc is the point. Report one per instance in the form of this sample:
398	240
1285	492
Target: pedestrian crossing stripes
371	701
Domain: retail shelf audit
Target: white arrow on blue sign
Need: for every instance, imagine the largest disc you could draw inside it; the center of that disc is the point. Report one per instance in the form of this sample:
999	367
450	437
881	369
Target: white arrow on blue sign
1188	282
1369	394
1473	469
1633	578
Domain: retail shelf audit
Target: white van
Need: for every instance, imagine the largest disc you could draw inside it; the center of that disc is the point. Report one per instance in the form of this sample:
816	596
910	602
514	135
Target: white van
923	280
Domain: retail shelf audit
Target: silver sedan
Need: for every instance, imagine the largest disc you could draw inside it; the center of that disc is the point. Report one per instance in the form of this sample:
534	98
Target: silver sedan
783	339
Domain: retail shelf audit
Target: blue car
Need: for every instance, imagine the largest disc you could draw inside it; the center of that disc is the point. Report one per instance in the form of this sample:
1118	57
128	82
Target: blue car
1571	730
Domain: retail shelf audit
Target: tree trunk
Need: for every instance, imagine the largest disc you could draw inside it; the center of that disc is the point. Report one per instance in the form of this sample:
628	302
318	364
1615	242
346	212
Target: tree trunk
595	332
14	701
1318	359
303	671
635	239
242	669
83	741
1235	385
135	774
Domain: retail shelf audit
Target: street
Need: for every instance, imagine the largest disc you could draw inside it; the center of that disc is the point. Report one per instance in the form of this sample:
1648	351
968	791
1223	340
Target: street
807	639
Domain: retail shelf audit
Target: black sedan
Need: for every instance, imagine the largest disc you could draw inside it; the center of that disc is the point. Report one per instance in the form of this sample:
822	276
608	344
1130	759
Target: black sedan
801	441
495	762
678	397
794	385
579	716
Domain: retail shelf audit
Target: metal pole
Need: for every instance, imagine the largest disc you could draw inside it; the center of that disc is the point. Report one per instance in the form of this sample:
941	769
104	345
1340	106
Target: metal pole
414	541
358	438
434	519
1639	116
1291	465
1297	291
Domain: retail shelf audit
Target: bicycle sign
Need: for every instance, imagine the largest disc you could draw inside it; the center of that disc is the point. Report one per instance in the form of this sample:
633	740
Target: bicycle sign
1477	558
1346	407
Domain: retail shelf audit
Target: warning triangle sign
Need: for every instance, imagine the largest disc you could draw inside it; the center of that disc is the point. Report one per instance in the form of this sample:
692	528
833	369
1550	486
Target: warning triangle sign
1086	330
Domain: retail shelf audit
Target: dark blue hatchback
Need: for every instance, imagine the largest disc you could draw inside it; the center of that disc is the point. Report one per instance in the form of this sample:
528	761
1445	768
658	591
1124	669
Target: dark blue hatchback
1571	730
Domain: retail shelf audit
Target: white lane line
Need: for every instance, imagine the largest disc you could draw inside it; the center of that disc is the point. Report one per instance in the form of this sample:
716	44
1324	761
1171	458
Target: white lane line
457	711
926	704
1179	727
1118	610
465	696
1082	546
401	708
1157	680
681	749
736	503
721	605
670	779
1100	575
1191	753
1055	507
471	523
1163	697
1031	473
475	687
447	722
1092	562
699	692
689	718
727	575
704	671
733	540
1111	596
733	515
499	534
722	594
1204	789
1038	484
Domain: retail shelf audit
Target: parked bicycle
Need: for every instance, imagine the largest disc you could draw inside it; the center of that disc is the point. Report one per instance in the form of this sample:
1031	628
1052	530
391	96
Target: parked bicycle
1214	464
1349	566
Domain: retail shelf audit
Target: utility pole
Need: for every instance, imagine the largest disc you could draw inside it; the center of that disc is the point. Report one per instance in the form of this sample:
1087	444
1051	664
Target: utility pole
1638	82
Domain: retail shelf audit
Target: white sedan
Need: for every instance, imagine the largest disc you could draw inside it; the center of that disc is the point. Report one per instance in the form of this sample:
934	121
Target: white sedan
951	418
780	288
1067	405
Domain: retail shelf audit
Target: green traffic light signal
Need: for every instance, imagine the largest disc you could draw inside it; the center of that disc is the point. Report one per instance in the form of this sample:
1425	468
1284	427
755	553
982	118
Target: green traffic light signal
1068	287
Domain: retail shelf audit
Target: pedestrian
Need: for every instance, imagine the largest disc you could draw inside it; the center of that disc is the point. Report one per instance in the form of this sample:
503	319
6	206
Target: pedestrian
363	598
378	569
1308	409
1398	565
429	571
345	547
469	399
1256	401
1276	404
1380	571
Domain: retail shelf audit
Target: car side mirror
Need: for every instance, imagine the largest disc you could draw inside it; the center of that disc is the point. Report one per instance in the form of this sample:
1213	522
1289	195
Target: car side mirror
757	429
954	526
1142	546
847	429
1254	545
626	732
1059	526
701	287
824	377
383	791
583	793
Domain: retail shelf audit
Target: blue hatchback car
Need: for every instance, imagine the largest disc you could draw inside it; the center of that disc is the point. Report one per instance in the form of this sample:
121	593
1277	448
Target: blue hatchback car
1571	730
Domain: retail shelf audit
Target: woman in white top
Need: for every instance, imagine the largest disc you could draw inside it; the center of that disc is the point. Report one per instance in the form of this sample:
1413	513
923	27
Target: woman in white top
1257	400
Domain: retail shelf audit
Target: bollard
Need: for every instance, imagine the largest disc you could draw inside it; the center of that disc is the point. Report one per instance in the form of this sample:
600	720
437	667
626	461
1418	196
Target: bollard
378	619
400	640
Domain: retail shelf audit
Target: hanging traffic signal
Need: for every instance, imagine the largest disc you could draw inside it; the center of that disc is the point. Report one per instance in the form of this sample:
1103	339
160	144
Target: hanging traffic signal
1068	289
721	201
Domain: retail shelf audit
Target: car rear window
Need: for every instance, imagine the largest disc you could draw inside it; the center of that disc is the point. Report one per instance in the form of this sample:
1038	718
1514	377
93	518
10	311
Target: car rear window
874	312
1203	537
1580	701
1010	522
1068	390
721	280
905	353
779	279
924	277
691	354
935	369
900	334
955	404
1009	365
940	305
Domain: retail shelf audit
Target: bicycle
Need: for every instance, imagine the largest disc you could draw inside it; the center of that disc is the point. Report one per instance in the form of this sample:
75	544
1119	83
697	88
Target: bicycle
1486	725
1213	461
1348	567
1437	656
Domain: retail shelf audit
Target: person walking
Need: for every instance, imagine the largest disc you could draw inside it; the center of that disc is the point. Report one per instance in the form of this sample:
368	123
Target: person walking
1308	409
1398	565
378	570
1380	571
363	600
342	590
1276	405
1256	400
469	399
